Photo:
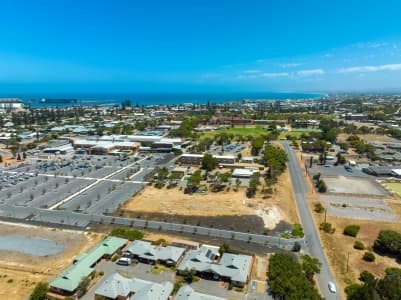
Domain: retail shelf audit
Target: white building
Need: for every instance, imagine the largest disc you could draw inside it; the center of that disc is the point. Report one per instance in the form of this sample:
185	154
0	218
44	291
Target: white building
11	103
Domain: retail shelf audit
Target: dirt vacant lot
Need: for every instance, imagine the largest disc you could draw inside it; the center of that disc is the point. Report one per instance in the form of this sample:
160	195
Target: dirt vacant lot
353	185
19	272
227	209
342	137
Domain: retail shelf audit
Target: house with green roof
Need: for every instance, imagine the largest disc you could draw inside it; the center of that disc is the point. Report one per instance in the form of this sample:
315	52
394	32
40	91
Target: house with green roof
67	283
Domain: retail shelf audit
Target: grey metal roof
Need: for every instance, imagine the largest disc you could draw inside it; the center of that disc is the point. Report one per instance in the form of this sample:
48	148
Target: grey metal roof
187	293
116	285
233	266
144	249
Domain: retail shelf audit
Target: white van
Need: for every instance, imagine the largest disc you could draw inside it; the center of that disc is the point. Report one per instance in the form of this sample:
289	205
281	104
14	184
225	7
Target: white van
124	261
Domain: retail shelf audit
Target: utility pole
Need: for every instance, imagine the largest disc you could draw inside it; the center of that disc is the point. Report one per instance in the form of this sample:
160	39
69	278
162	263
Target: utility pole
347	260
325	215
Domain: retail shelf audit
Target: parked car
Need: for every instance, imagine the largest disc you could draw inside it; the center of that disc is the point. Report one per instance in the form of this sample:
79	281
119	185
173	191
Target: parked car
124	261
332	287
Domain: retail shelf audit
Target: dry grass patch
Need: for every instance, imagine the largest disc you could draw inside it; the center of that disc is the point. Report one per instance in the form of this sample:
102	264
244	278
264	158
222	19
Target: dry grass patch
162	203
337	246
27	270
342	137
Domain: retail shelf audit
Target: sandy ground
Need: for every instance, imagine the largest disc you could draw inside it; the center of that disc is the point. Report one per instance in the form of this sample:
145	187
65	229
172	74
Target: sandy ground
20	272
280	207
368	138
337	246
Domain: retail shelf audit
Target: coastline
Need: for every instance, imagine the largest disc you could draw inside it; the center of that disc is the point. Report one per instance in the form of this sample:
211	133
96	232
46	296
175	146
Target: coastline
163	99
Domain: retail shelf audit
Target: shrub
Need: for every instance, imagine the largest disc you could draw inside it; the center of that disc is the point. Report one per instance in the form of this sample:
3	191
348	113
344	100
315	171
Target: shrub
321	186
114	258
327	227
40	291
368	256
296	247
359	245
319	208
160	242
351	230
297	231
131	234
285	235
366	276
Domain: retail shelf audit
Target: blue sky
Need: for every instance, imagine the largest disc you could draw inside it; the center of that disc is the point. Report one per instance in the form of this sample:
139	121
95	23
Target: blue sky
199	46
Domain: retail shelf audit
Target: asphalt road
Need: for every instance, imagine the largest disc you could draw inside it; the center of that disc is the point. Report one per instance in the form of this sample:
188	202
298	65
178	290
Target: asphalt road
312	242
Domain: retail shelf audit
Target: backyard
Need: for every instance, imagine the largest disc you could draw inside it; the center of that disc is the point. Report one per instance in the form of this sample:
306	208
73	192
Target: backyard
20	272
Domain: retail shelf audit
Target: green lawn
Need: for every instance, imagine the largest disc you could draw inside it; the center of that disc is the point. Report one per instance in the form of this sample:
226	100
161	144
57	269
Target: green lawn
283	134
157	269
394	186
244	131
306	130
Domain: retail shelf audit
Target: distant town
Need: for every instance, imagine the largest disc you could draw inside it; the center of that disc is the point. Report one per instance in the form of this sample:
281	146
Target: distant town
250	199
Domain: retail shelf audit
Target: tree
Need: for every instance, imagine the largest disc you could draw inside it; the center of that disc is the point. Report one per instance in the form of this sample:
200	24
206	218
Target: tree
189	275
193	181
275	158
83	285
225	248
209	163
321	186
237	183
288	281
340	159
310	266
257	145
388	242
366	276
40	291
296	247
387	288
253	185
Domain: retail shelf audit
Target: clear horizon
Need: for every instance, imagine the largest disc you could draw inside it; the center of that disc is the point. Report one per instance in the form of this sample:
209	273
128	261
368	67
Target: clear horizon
199	47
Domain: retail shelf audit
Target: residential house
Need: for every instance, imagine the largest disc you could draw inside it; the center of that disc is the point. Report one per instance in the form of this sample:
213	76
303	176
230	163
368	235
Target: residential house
146	252
67	283
187	293
233	268
121	288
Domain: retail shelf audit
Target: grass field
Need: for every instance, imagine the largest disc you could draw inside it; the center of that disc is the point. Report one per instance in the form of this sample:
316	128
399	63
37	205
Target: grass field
306	130
395	187
283	135
244	131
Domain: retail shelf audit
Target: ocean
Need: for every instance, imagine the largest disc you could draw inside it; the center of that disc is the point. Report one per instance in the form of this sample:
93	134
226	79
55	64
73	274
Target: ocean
159	99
